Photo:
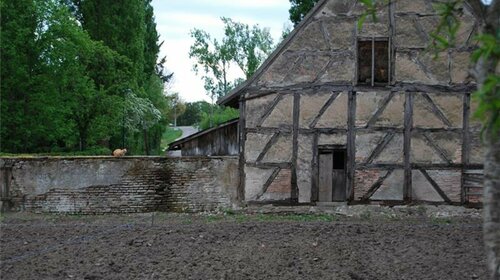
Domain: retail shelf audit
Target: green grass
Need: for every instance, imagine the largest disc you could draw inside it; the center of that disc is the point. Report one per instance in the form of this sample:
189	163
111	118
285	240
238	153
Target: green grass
169	136
242	218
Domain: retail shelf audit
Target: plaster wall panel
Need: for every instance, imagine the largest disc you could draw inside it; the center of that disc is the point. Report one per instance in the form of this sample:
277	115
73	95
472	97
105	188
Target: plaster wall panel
393	152
281	151
459	67
422	152
466	29
423	114
255	180
311	38
476	148
341	33
336	114
340	68
366	142
435	67
332	139
408	32
450	144
393	114
364	179
277	71
255	143
280	188
451	105
282	114
367	103
449	181
304	167
412	6
336	7
310	105
391	188
409	71
422	189
255	109
307	69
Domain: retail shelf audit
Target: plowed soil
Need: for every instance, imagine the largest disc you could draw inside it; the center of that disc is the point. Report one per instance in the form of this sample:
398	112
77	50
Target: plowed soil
181	246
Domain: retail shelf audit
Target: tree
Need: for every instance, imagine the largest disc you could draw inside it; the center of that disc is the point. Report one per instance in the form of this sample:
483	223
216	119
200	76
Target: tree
193	112
243	45
88	74
18	58
129	28
249	46
299	9
176	106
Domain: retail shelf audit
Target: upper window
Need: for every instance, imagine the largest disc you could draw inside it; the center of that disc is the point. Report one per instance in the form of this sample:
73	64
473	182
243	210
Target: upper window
373	61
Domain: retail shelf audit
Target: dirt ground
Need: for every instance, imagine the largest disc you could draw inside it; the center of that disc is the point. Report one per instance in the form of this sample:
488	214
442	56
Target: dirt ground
239	246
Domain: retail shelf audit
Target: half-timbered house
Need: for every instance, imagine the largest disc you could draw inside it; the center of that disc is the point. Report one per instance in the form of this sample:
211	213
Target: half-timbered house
338	113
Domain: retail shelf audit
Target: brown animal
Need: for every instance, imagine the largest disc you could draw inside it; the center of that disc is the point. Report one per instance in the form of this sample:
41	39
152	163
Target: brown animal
119	152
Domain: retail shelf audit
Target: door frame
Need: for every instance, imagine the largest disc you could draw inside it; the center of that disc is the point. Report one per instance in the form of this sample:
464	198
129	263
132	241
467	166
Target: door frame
326	149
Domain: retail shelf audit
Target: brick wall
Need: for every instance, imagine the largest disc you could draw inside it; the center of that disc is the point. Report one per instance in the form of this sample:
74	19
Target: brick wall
96	185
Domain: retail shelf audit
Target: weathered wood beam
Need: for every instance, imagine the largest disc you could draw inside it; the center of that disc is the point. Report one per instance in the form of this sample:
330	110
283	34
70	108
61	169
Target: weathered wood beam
380	128
322	130
420	130
351	145
269	165
315	169
283	130
240	193
408	124
361	166
256	92
465	144
295	150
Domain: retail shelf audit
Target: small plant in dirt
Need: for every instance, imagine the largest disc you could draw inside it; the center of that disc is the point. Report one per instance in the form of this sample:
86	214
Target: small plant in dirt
441	220
365	215
296	217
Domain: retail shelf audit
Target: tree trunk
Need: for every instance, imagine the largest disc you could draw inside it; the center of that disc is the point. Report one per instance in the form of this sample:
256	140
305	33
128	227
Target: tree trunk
492	205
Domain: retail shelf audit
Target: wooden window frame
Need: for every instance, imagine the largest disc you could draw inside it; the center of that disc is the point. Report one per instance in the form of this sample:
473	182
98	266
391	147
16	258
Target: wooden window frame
389	60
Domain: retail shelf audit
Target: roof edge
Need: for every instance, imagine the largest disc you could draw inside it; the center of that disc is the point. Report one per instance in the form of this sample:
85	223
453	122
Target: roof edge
202	132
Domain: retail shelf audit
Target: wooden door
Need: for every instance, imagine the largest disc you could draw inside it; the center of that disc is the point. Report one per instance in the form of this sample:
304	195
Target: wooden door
325	177
332	183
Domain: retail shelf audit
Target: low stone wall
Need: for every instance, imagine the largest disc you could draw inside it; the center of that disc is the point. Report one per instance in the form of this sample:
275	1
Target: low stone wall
96	185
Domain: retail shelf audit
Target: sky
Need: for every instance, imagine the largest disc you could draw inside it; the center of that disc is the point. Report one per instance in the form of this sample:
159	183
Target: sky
176	18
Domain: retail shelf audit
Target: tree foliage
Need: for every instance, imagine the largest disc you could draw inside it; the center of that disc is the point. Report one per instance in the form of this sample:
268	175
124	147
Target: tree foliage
299	9
78	74
220	115
245	46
